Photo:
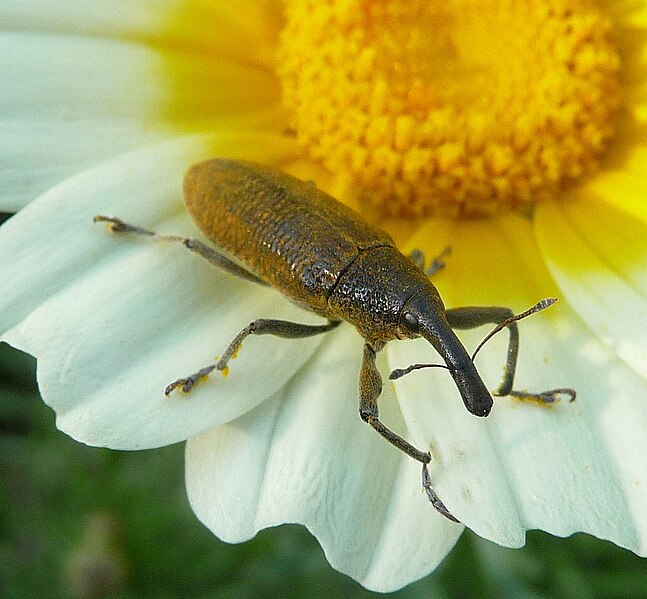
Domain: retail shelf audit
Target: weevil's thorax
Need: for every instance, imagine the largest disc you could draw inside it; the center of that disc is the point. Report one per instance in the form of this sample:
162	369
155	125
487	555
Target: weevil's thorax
372	291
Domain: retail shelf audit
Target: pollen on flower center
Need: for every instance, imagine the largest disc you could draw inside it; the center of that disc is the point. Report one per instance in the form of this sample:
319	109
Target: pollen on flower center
461	107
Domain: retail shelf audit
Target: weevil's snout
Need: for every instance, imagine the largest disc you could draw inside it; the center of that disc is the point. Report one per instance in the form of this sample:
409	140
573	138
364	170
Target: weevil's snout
475	395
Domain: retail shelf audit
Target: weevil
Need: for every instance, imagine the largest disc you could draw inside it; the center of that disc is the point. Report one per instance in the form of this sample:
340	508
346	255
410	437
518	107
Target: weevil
291	236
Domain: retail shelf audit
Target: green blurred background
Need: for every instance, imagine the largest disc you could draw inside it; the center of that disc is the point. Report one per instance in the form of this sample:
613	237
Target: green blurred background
83	522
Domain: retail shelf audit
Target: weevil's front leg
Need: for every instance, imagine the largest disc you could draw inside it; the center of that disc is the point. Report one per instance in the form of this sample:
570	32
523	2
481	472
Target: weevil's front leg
262	326
215	258
370	388
476	316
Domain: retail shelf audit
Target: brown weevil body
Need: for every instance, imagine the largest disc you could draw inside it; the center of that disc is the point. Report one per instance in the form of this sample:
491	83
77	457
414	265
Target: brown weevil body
299	240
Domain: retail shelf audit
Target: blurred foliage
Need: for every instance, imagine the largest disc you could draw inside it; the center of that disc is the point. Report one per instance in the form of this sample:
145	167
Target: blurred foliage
83	522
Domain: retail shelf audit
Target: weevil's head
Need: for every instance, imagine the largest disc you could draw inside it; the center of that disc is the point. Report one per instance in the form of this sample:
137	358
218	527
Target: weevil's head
423	315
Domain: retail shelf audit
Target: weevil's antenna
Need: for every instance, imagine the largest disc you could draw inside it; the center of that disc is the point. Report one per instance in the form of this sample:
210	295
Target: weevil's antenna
400	372
538	307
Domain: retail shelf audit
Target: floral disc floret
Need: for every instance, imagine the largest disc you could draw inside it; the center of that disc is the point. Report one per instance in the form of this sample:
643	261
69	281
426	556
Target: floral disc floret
458	108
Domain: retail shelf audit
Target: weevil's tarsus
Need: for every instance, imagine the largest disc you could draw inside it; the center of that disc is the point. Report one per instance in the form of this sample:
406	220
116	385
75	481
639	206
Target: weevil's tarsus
433	498
116	225
370	388
215	258
546	398
438	262
185	384
418	258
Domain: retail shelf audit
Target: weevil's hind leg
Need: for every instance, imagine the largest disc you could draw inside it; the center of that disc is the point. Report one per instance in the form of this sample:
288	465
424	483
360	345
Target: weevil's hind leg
370	388
215	258
476	316
438	263
262	326
185	384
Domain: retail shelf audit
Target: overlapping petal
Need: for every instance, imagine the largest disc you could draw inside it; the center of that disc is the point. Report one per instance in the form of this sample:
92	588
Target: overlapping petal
113	321
76	101
620	186
563	469
305	456
221	29
575	466
598	257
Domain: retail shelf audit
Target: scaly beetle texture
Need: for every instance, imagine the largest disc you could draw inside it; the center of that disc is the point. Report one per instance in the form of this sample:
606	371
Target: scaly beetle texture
319	253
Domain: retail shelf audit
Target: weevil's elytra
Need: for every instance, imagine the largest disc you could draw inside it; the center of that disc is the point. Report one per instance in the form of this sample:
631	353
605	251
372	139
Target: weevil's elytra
319	253
285	230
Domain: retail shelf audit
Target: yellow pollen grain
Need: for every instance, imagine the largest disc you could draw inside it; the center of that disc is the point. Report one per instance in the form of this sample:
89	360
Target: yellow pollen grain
461	107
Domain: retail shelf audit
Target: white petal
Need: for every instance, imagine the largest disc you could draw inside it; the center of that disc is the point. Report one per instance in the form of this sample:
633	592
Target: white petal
576	467
37	155
113	320
221	29
70	102
305	456
598	257
621	187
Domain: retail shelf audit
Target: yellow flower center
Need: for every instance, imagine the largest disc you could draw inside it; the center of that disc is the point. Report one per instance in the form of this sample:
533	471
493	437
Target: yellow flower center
459	107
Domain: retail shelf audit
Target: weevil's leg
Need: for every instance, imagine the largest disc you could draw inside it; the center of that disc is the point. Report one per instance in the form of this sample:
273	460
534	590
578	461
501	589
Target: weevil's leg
215	258
370	388
278	328
545	397
262	326
418	258
185	384
219	261
433	497
475	316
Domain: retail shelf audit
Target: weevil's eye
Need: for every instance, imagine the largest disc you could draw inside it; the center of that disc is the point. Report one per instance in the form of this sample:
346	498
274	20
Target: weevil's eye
410	320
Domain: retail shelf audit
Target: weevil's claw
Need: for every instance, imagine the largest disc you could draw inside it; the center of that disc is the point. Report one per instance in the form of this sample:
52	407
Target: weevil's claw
396	373
433	498
545	397
438	263
99	218
185	384
116	225
418	258
113	224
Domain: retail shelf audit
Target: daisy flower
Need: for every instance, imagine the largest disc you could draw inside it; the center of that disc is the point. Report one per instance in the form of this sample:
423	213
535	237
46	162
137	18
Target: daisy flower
512	131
